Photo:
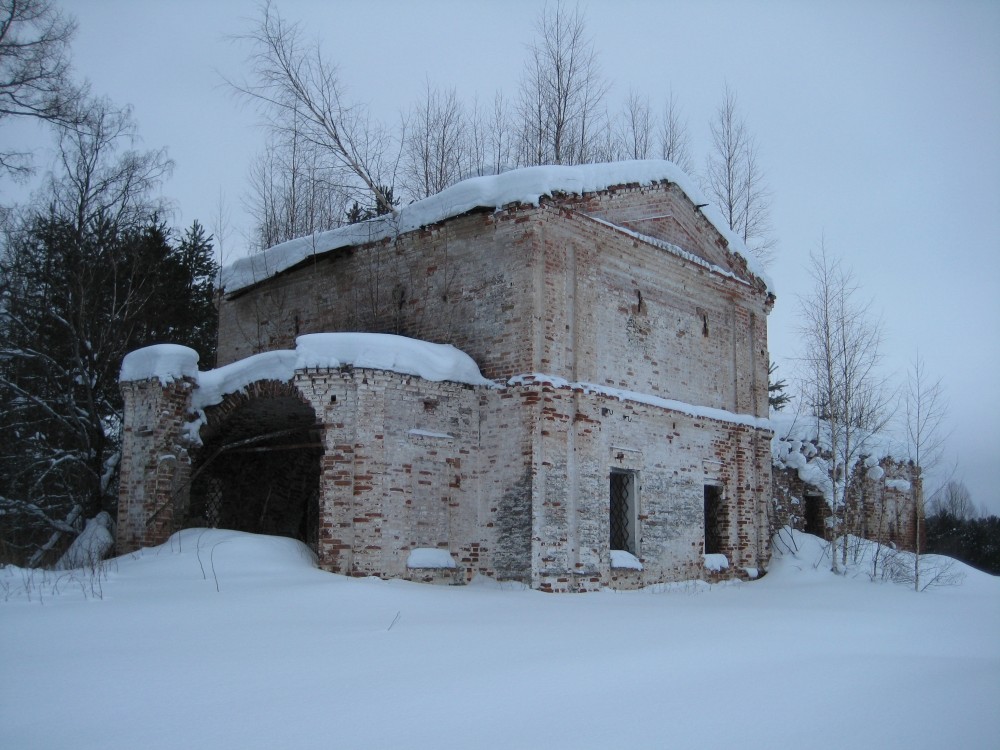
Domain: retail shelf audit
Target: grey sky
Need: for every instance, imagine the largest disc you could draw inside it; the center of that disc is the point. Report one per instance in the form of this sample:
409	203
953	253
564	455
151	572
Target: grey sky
878	125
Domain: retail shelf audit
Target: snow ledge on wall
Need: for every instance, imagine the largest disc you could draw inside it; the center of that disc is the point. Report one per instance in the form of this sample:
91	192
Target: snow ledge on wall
692	410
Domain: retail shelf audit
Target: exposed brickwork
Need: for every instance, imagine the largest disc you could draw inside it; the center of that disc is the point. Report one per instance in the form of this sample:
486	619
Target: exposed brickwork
514	481
877	509
155	466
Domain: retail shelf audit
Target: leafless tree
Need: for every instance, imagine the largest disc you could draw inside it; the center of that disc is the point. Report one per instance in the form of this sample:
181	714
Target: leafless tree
297	87
635	127
954	499
221	225
34	71
438	147
925	413
735	180
606	146
478	140
501	135
100	172
288	191
561	90
674	136
841	375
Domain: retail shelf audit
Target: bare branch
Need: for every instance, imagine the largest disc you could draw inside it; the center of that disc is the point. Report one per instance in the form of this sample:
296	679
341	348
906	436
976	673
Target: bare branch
296	87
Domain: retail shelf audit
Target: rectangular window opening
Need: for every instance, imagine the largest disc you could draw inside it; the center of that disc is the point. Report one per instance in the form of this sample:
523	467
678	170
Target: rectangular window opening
814	522
714	519
624	517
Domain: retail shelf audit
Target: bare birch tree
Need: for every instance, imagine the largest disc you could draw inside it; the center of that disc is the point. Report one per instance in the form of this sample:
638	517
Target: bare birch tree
34	71
955	500
674	137
501	135
438	147
635	127
925	413
734	179
289	193
297	87
561	90
842	379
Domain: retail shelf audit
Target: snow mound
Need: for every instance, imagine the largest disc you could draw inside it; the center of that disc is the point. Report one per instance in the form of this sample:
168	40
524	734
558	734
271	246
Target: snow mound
802	558
95	541
167	362
233	559
526	186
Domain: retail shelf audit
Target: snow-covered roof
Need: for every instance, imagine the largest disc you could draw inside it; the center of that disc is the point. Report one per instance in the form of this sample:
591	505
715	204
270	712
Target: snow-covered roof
376	351
527	186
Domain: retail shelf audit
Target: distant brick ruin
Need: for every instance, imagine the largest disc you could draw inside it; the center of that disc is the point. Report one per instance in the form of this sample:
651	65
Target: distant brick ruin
625	336
880	503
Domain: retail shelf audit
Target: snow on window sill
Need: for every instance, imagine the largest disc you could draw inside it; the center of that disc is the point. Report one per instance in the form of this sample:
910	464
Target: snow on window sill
622	559
430	557
716	562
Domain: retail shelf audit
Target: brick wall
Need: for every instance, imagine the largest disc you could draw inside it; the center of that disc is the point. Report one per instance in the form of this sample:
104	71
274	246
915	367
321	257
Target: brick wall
581	437
466	282
541	290
876	509
155	465
411	463
514	481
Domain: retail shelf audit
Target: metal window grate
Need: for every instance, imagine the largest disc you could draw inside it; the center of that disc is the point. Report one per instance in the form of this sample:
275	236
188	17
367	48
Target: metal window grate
621	490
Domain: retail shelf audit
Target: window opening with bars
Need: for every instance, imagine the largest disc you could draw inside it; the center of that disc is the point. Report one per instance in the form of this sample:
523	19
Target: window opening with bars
623	516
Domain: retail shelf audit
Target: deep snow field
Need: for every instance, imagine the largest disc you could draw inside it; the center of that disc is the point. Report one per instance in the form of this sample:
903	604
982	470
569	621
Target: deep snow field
226	640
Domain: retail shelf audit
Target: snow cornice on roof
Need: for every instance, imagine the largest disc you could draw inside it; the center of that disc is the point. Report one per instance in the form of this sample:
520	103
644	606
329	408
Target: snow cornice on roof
525	186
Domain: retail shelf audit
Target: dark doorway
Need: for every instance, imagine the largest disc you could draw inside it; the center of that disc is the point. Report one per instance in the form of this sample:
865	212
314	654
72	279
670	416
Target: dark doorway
259	470
814	520
714	519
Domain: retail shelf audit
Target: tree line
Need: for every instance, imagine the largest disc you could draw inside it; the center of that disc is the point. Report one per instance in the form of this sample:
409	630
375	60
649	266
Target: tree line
89	270
326	154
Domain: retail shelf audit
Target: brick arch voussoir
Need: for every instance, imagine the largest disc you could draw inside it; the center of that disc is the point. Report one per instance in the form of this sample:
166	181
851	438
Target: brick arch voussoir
217	415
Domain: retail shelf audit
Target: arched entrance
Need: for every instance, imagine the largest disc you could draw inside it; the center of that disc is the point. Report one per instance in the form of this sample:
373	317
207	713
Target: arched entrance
259	467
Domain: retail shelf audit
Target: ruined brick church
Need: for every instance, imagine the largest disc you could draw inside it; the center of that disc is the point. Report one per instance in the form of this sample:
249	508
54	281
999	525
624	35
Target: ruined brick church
580	400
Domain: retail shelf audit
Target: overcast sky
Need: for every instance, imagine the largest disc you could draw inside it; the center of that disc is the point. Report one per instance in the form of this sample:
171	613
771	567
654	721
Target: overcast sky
877	124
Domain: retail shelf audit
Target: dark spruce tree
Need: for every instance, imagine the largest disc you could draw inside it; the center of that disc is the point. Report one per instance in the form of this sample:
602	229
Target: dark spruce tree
777	399
75	301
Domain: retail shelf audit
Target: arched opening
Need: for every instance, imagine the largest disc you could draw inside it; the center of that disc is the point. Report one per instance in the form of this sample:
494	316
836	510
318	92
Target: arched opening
259	467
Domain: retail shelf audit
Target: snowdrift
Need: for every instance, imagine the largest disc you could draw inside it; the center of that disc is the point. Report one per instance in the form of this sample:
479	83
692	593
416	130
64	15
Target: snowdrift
221	639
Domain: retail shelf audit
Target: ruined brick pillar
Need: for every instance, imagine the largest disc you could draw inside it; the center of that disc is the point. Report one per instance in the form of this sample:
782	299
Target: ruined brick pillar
155	467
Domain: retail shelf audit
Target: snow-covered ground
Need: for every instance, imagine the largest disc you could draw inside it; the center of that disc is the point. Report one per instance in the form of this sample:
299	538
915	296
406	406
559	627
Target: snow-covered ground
227	640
